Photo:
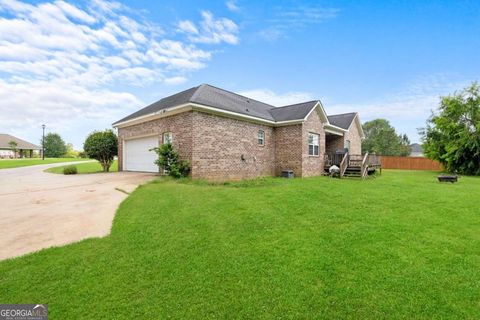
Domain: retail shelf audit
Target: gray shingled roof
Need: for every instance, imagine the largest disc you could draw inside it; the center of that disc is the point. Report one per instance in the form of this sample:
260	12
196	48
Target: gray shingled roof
342	120
21	144
168	102
211	96
294	111
416	147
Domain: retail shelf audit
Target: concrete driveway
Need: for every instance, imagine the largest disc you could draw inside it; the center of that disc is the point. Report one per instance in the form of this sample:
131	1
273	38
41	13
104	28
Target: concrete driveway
39	210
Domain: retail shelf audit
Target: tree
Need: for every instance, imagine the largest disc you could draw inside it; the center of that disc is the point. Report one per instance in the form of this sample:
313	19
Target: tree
102	146
13	145
381	138
452	136
169	161
71	153
54	146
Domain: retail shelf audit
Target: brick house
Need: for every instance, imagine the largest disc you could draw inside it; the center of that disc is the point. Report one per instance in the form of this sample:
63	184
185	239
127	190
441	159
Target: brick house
226	136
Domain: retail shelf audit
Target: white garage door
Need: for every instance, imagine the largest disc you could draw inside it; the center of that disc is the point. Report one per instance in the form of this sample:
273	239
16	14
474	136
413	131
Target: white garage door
138	156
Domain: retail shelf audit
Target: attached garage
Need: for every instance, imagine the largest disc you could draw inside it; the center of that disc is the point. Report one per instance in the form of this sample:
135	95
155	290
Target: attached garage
137	155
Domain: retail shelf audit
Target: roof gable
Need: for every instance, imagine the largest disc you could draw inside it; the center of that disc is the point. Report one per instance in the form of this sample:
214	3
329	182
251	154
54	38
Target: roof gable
342	120
293	112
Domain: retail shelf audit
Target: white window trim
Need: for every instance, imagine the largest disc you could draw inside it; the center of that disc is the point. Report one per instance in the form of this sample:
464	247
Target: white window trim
165	134
313	144
263	138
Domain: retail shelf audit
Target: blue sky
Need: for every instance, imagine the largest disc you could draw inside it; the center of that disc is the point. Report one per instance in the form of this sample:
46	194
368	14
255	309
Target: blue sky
79	66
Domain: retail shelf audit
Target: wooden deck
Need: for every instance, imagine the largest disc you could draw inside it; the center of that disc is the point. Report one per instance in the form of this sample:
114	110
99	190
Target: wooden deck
354	164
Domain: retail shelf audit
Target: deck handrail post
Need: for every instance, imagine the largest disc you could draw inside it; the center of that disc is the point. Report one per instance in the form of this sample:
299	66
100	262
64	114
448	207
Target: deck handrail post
365	165
344	164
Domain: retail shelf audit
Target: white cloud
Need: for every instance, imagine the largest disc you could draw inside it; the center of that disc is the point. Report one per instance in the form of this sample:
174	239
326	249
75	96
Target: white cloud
409	108
175	80
187	26
285	19
211	30
419	98
278	99
61	61
232	6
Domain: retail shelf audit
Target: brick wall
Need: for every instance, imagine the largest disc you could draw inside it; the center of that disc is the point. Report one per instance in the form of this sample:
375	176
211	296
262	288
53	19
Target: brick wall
214	145
219	144
333	143
288	149
312	165
179	125
354	136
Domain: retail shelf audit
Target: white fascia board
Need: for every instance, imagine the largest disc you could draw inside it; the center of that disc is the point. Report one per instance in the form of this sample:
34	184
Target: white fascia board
201	107
334	129
155	115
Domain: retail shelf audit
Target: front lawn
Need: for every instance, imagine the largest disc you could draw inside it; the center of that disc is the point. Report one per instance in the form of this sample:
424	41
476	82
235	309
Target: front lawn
397	246
89	167
14	163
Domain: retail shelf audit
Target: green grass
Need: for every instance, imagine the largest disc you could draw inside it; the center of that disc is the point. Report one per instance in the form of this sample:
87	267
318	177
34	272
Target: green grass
89	167
400	246
14	163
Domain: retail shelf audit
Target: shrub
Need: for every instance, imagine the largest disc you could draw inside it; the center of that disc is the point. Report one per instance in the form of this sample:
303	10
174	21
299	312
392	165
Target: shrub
70	169
168	160
71	153
102	146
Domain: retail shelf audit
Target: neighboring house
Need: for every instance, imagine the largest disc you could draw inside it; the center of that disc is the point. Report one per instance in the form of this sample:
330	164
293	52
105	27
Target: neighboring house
23	148
416	150
227	136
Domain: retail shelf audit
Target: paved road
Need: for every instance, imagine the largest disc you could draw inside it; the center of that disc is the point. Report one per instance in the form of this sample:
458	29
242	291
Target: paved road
39	210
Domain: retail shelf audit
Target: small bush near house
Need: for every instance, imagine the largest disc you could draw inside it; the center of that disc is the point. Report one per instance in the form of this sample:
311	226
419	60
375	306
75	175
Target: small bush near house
70	169
168	160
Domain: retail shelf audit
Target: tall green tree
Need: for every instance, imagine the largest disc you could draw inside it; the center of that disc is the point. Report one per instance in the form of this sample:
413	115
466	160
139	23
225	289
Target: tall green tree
102	146
452	135
55	147
381	138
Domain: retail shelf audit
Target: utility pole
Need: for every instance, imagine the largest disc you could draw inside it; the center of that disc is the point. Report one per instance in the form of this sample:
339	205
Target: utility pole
43	142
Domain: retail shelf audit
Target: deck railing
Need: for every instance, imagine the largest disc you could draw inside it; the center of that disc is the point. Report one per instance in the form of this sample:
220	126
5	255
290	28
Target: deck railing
344	164
363	163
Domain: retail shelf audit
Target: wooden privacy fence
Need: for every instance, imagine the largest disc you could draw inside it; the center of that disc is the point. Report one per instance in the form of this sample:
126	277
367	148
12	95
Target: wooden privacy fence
410	163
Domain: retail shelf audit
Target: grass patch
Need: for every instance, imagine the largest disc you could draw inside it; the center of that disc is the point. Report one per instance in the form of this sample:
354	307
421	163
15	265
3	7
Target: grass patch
89	167
401	245
14	163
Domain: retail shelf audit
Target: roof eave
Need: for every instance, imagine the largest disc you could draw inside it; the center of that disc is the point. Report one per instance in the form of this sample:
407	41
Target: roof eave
200	107
334	129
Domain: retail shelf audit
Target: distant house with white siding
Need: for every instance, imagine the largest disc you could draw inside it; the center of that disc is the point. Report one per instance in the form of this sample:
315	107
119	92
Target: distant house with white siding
24	149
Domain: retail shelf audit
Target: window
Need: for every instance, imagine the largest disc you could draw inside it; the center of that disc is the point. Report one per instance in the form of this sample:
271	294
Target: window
167	137
261	137
347	144
313	149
